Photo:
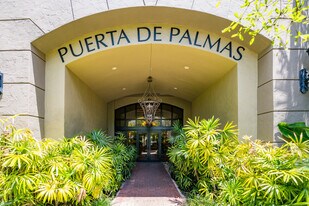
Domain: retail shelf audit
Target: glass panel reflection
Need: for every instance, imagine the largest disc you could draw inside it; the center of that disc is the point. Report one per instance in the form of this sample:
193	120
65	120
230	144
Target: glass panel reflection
154	137
132	137
143	150
141	123
156	123
120	123
165	144
177	113
166	111
131	112
120	113
166	123
131	123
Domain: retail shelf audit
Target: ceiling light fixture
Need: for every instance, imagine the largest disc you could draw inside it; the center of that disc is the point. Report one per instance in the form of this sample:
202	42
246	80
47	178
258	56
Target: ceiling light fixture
186	67
149	102
114	68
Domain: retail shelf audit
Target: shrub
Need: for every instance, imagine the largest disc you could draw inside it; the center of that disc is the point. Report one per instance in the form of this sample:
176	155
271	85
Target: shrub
216	168
297	131
123	160
49	172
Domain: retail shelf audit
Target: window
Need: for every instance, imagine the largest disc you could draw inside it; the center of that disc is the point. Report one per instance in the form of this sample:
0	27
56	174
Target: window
131	116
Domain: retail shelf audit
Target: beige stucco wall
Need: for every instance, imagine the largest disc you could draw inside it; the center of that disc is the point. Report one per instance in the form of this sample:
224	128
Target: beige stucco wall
23	68
54	99
233	98
113	105
84	110
219	100
236	93
247	79
71	106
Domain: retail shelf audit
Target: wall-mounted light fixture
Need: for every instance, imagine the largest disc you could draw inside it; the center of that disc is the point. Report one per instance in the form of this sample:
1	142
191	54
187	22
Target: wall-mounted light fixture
1	83
304	79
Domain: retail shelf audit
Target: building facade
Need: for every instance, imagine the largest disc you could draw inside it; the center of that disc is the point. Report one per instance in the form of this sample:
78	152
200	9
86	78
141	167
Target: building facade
69	65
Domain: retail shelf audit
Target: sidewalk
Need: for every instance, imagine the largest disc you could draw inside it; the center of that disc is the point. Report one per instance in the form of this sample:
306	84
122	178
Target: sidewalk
149	185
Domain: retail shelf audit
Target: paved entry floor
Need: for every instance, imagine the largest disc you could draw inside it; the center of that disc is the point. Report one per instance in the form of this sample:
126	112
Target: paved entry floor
149	185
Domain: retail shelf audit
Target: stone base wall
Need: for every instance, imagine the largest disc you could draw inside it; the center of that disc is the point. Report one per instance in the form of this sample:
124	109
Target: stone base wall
279	98
24	74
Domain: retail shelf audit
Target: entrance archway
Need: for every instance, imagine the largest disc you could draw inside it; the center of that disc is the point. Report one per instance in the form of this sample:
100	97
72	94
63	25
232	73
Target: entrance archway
151	142
82	86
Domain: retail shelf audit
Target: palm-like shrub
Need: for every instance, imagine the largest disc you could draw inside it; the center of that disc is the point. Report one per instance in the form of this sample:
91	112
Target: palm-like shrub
198	151
123	157
217	169
49	172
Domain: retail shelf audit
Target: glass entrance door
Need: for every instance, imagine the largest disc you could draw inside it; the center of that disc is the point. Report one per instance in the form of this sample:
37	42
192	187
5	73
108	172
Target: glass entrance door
143	146
154	152
149	145
151	141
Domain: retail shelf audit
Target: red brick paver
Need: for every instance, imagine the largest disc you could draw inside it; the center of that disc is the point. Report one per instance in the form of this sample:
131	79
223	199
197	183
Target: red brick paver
149	185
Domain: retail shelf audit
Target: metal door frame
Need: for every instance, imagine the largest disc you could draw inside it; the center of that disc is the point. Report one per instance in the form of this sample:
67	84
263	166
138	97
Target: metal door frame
148	131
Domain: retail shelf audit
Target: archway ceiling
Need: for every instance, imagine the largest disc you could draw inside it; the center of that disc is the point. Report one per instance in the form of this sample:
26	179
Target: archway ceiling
164	62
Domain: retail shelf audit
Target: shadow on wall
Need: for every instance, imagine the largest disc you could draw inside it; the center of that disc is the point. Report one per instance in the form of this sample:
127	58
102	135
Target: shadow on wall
1	84
290	104
38	65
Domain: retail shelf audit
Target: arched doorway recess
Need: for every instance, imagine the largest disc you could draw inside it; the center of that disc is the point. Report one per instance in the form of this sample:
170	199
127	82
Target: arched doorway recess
152	141
223	79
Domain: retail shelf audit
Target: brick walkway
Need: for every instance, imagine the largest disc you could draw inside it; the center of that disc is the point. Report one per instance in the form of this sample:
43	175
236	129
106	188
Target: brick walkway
149	185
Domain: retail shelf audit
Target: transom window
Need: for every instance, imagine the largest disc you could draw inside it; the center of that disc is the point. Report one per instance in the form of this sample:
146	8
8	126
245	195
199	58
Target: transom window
131	116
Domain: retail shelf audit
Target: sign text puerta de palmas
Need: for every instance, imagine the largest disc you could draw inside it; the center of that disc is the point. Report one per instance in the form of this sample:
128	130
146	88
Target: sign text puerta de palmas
158	34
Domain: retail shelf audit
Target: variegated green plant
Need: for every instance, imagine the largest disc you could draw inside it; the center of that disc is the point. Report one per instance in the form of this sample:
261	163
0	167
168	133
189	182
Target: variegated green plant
50	172
215	167
275	18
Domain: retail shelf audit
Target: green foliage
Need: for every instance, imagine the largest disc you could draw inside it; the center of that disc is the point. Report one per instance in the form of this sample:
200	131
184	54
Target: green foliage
270	17
123	157
217	169
72	171
296	131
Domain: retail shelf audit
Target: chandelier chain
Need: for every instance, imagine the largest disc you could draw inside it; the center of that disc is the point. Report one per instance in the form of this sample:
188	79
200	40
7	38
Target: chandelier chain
150	61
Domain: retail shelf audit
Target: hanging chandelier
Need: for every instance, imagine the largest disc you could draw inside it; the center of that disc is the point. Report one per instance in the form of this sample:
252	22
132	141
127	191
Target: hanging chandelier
149	102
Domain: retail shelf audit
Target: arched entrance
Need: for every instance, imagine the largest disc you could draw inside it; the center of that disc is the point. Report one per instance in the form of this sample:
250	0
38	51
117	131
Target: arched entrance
92	70
151	142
